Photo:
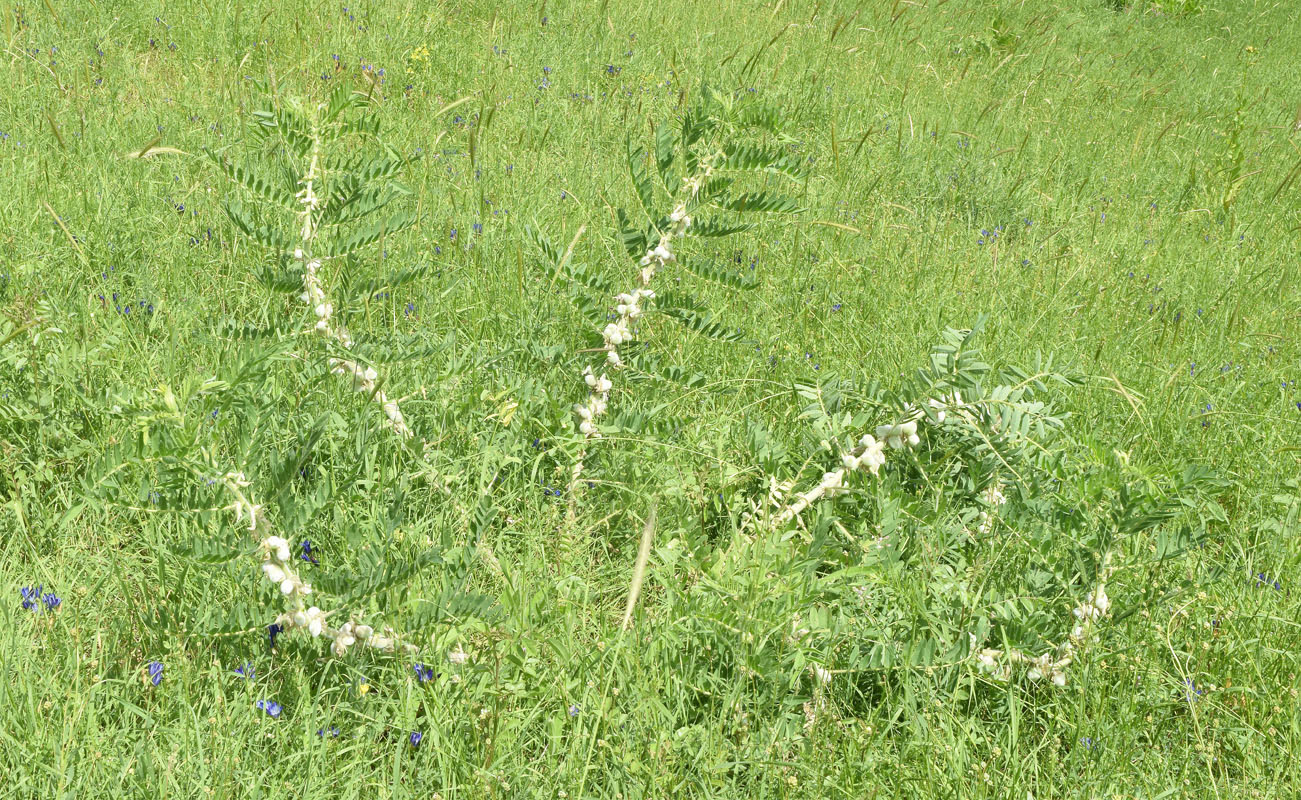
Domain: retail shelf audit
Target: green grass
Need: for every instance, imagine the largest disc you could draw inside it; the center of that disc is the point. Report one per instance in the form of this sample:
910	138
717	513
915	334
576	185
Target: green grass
1143	167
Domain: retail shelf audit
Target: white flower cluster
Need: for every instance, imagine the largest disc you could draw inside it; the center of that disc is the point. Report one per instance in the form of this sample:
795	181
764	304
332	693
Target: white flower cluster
236	483
993	497
900	435
627	310
1053	663
597	402
278	566
314	296
365	379
628	307
868	455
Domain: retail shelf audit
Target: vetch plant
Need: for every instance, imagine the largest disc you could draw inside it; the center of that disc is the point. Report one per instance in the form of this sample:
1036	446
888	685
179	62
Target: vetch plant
336	205
702	174
946	539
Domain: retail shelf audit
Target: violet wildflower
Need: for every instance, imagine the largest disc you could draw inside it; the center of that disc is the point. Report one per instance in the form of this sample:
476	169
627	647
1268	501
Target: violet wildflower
424	673
415	738
31	596
272	708
155	672
307	552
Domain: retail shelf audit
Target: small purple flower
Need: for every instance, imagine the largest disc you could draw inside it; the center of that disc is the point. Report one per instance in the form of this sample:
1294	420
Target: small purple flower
1191	692
415	738
31	597
1264	580
424	673
155	672
272	708
51	601
307	552
836	307
274	630
245	671
573	710
333	732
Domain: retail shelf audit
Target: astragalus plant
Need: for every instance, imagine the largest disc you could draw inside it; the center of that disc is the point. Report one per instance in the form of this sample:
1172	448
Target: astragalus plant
956	525
240	452
705	173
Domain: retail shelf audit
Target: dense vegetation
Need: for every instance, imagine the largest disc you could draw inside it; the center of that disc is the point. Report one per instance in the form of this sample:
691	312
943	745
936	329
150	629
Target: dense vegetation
650	400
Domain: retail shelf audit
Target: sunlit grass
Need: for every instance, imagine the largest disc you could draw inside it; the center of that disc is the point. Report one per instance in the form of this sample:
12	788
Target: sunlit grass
1118	188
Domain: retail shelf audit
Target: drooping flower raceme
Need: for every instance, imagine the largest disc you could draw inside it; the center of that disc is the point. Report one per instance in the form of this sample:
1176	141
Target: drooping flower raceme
365	379
278	565
1052	663
628	307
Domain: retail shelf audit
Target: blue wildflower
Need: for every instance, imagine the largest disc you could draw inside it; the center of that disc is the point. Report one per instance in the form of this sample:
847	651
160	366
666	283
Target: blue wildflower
333	732
51	601
573	710
31	596
272	708
274	630
1264	580
424	673
245	671
415	738
155	672
307	552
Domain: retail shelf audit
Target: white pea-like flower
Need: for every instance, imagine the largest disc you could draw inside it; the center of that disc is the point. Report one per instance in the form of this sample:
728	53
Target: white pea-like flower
613	358
273	572
1101	601
587	428
278	546
315	621
873	456
287	586
458	656
899	436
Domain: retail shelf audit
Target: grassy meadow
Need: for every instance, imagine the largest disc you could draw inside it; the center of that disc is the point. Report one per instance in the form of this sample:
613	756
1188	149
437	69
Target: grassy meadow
1117	187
